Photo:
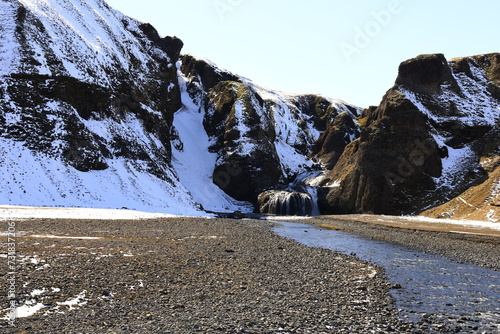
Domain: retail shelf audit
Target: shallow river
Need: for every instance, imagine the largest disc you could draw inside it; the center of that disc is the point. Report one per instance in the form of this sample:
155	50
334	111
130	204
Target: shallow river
458	295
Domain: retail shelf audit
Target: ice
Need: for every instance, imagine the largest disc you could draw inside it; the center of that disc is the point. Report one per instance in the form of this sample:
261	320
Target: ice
194	164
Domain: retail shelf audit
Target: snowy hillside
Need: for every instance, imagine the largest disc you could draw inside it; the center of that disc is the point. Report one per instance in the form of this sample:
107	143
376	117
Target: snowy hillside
96	111
82	39
86	96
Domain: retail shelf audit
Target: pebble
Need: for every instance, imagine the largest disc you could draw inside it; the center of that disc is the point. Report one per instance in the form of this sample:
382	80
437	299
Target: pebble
181	279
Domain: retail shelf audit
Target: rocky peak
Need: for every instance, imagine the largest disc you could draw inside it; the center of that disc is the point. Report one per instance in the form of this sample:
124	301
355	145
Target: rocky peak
426	74
422	145
204	72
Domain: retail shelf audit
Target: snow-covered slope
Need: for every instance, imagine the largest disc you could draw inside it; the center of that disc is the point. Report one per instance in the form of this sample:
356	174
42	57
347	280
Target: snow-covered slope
83	39
96	110
86	103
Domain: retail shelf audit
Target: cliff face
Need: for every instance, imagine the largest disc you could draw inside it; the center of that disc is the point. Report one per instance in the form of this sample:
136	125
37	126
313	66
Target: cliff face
423	144
74	62
262	138
85	89
98	110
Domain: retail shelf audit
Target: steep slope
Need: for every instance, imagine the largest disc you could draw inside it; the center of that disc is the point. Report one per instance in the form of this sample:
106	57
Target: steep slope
97	110
262	138
481	202
87	97
423	145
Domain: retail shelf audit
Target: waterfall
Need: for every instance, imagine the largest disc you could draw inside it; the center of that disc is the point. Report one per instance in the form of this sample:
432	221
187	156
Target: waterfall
287	203
313	192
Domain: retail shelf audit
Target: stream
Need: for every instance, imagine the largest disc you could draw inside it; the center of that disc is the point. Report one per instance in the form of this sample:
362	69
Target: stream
456	294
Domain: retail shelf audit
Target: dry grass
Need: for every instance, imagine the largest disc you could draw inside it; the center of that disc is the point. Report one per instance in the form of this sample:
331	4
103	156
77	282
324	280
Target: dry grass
330	227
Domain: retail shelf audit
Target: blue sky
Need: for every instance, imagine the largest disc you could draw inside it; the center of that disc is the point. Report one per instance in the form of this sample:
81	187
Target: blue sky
349	50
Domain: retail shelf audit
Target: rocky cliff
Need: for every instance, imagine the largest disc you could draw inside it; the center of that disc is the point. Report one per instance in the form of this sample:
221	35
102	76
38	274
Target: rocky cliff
98	110
424	143
262	138
87	95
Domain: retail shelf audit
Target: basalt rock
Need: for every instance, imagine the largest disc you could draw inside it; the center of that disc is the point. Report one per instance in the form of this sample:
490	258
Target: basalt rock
249	162
262	139
53	90
426	74
332	142
422	145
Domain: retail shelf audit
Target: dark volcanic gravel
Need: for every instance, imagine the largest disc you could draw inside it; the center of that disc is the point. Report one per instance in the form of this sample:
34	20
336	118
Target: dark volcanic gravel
193	276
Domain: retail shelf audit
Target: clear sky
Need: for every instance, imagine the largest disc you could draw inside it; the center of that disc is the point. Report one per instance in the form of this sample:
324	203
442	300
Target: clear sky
348	49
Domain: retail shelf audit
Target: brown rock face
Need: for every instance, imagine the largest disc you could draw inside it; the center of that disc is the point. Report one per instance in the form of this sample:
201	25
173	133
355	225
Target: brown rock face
428	119
242	173
395	157
479	202
332	142
425	74
205	73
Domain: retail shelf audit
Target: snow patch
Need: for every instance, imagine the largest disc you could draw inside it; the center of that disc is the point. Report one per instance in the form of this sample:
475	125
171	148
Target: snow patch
193	162
34	179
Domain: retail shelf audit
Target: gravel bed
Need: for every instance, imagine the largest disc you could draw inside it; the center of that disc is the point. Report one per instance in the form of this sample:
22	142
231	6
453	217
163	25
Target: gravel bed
467	248
193	276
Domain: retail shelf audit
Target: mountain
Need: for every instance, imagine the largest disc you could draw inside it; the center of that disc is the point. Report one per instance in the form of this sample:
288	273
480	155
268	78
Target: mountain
98	110
434	136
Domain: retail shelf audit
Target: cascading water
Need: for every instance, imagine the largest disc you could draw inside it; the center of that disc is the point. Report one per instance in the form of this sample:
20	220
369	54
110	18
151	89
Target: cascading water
313	192
279	202
297	199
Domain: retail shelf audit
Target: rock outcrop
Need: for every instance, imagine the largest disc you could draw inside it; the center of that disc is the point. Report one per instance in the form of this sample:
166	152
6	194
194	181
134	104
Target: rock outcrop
262	138
97	109
423	144
57	77
85	89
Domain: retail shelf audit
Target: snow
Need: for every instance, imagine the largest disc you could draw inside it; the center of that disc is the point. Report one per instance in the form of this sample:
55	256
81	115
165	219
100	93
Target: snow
462	222
8	47
29	309
88	37
75	302
194	164
474	106
48	236
8	212
33	179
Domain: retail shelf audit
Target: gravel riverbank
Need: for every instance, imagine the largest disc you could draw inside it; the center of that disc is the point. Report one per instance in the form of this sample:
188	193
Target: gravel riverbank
482	250
188	275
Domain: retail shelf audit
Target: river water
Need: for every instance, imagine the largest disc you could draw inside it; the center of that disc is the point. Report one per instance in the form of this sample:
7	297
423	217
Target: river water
458	295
